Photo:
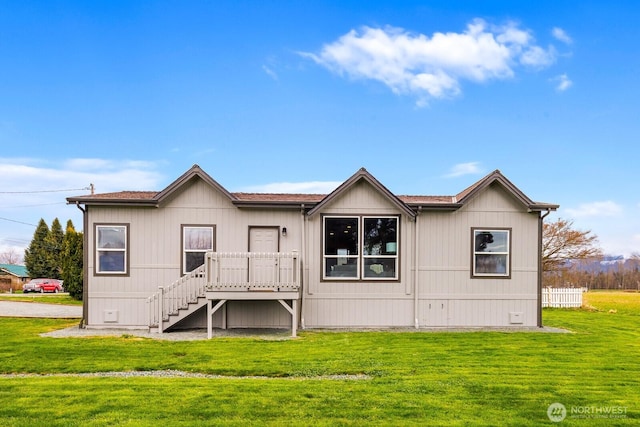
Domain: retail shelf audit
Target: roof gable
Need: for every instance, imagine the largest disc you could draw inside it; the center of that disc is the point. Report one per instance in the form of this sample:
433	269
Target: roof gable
312	203
194	172
496	177
363	175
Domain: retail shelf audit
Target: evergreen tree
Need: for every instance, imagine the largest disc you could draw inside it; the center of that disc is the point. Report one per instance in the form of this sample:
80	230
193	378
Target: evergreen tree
54	249
35	256
72	267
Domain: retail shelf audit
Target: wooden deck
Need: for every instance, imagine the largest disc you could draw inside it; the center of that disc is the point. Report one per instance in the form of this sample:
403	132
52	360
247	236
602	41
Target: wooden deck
252	276
230	276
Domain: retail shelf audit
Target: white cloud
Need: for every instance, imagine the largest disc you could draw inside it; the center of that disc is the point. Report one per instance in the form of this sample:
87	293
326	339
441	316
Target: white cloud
92	164
433	67
562	82
270	72
596	209
615	226
461	169
561	35
311	187
537	57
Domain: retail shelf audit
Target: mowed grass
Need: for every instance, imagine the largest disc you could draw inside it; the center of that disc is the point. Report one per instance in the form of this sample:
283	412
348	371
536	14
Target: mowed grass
332	378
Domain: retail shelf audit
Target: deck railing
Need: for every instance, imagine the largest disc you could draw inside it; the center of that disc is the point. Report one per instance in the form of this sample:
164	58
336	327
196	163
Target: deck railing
179	294
252	271
226	271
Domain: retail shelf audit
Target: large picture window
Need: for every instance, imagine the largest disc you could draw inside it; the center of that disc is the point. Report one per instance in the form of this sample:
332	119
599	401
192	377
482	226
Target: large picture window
491	252
112	249
197	240
360	248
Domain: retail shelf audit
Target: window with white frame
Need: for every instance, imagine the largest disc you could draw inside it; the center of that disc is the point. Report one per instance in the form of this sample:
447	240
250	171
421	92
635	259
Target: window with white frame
360	248
197	240
112	243
491	252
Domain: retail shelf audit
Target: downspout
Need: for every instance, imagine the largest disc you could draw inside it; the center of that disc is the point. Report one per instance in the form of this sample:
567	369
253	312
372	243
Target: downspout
540	228
85	261
416	263
303	242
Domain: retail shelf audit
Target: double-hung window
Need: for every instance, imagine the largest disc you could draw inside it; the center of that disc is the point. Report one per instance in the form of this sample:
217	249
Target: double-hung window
491	252
360	247
112	248
197	240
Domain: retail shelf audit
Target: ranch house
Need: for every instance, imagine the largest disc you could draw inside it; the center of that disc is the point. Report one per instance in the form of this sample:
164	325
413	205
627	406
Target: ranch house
195	255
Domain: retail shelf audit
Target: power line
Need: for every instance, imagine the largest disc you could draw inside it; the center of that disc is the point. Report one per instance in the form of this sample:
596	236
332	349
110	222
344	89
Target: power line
15	241
45	191
33	206
19	222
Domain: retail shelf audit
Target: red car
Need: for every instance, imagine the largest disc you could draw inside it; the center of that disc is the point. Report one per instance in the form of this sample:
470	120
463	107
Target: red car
42	285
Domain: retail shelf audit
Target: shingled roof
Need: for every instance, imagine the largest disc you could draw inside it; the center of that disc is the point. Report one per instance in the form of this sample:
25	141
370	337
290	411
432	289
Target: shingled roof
315	202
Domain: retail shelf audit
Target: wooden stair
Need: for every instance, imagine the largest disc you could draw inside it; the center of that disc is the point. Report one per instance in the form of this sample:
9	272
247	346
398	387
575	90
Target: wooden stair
171	319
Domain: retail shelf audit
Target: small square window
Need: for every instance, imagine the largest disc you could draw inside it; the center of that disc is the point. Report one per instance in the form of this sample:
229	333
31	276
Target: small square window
112	249
197	240
491	252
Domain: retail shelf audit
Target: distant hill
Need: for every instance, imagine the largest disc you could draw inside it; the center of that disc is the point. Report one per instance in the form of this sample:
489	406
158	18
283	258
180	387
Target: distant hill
605	264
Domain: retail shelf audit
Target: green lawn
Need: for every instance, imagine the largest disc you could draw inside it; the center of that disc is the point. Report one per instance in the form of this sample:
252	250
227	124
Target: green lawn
444	378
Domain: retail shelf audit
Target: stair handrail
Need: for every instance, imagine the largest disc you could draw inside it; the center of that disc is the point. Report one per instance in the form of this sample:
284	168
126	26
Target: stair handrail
210	276
169	299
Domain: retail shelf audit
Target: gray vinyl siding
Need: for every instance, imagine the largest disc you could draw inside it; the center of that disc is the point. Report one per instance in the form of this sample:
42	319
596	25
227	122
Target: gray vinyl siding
447	294
155	251
358	303
444	269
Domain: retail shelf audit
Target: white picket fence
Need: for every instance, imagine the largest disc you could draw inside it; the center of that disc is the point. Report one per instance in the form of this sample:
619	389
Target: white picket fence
562	297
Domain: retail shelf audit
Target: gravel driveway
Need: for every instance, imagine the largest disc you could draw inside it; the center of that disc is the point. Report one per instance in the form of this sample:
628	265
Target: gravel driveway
34	309
59	311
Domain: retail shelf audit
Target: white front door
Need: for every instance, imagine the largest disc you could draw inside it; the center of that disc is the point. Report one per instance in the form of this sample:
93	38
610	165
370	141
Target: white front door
263	268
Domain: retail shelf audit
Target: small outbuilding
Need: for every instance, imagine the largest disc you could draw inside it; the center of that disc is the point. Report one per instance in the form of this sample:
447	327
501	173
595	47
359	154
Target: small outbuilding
12	277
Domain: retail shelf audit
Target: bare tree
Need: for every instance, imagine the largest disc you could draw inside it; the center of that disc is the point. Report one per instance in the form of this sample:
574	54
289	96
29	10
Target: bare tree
561	243
634	265
10	256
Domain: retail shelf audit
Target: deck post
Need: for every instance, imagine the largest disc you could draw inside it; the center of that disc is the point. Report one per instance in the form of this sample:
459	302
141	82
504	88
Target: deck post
296	267
209	319
224	316
211	310
293	310
160	308
294	318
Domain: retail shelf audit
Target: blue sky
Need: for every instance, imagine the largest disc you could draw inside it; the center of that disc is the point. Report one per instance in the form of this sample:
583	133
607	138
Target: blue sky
429	96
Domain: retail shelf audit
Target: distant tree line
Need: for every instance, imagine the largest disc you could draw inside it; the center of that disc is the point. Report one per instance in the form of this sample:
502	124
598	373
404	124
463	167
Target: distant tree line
572	258
598	273
57	254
